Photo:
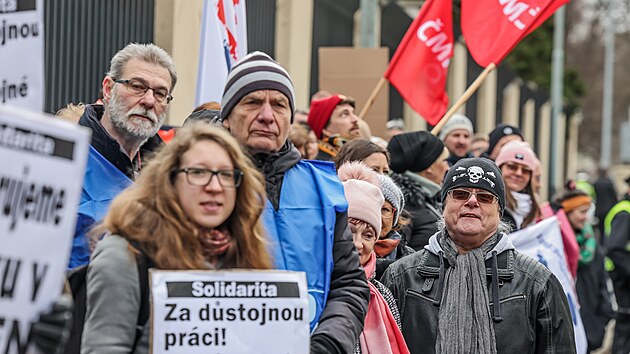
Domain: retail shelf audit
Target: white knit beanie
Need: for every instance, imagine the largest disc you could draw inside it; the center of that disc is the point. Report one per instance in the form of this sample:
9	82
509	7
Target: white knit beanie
457	121
362	188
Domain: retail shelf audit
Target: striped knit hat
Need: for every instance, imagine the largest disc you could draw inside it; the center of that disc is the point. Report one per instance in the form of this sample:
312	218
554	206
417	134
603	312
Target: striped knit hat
255	71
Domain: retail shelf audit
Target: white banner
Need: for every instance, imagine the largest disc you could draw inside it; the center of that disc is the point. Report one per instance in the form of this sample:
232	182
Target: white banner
22	53
223	42
43	161
236	312
543	242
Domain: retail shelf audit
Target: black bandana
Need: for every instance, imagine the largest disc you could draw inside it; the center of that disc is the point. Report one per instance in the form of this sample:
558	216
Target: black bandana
476	172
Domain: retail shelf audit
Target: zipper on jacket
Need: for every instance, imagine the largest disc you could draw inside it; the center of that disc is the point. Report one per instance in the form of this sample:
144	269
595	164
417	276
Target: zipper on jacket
513	297
418	294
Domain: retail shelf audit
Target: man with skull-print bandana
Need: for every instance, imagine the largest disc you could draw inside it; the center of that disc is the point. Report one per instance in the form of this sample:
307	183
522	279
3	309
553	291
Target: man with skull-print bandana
469	290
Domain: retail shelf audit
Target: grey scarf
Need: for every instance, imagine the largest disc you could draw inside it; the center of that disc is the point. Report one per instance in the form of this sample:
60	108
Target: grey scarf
464	324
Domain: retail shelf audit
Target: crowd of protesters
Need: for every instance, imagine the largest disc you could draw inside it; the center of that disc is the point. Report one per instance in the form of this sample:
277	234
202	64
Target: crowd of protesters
403	239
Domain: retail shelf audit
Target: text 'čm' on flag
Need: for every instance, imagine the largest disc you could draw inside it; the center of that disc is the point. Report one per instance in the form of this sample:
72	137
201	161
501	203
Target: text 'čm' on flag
419	67
492	28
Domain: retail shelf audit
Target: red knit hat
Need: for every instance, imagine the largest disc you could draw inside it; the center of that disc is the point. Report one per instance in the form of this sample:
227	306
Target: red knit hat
320	112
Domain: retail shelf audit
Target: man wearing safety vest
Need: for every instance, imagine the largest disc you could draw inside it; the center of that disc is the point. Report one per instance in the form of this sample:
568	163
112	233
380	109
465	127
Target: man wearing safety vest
617	229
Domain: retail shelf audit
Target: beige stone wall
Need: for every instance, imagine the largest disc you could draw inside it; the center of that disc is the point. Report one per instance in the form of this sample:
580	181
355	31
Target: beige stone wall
294	38
572	145
529	117
511	103
177	30
486	104
456	84
544	146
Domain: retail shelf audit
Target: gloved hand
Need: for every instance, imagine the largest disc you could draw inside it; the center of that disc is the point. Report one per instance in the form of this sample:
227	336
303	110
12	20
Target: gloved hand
52	331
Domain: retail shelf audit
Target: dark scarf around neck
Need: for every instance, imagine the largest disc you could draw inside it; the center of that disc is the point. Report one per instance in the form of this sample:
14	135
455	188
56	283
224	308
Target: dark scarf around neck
464	322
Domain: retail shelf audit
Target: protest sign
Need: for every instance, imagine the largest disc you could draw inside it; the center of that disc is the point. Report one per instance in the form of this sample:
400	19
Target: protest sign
357	70
41	173
22	37
235	312
543	242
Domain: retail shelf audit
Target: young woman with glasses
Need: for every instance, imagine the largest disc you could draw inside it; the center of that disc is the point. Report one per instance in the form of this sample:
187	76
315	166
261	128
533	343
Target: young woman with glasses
196	205
518	162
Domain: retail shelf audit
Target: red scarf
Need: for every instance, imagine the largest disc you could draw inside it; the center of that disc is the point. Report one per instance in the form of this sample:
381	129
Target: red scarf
384	247
215	243
381	334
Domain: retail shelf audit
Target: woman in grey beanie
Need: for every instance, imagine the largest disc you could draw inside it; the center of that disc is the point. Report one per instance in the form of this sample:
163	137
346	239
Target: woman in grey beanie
391	246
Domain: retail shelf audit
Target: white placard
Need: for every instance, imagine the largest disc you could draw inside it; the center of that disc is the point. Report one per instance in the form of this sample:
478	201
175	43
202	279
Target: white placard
41	172
236	312
22	53
543	242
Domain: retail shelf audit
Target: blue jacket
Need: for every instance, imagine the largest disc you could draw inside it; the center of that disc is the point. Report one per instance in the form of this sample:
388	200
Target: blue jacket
296	227
101	184
292	184
109	170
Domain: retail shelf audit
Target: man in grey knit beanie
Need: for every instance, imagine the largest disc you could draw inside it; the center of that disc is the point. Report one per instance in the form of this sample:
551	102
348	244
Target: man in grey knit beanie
305	218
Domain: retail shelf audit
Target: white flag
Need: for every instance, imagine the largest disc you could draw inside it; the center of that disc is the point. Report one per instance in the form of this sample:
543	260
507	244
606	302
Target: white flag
223	42
543	242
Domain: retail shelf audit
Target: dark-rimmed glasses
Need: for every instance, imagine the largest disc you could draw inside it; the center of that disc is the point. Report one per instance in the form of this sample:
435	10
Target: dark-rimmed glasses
202	176
463	195
137	88
387	212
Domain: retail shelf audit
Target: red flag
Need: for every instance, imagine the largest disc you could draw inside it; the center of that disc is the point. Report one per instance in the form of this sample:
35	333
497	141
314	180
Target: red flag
492	28
419	66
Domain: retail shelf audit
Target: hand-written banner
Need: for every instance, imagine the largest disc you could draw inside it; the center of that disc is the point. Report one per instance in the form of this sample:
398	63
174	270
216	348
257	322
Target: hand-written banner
543	242
229	312
43	162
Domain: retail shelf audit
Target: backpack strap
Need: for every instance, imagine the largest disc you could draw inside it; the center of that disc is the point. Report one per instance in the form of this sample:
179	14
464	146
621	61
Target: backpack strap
143	263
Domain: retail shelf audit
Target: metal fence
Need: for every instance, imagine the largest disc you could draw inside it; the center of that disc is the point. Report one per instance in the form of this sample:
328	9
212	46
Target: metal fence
81	36
261	26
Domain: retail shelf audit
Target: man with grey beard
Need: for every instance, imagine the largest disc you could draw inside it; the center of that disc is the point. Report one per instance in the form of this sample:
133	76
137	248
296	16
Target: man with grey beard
136	93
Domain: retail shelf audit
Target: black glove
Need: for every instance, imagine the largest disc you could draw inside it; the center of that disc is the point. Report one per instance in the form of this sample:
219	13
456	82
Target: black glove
52	330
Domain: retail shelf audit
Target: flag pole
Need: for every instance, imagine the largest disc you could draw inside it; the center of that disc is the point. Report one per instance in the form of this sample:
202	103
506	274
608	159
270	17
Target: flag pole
469	92
370	101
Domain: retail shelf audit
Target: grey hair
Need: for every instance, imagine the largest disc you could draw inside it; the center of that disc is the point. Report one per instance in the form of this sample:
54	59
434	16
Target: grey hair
503	227
149	53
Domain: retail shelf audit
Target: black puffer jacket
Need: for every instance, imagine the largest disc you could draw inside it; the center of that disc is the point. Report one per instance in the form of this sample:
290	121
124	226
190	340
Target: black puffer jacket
342	319
533	316
423	209
618	243
595	304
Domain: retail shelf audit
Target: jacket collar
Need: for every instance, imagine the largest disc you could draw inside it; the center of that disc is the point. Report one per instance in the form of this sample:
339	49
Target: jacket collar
278	162
429	188
109	148
429	265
